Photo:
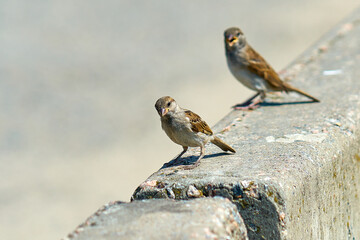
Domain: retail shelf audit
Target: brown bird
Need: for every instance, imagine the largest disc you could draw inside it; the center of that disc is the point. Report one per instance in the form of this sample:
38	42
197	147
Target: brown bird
251	69
186	128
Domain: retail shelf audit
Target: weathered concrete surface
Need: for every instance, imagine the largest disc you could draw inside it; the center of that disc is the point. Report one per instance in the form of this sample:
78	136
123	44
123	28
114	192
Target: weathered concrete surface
211	218
296	171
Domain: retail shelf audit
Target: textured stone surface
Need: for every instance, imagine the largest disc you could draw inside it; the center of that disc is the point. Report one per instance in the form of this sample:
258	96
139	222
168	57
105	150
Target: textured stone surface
206	218
296	171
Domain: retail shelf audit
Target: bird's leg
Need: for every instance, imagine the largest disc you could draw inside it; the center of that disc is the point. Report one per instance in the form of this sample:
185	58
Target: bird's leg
259	100
197	163
250	104
249	101
256	103
262	96
182	153
202	154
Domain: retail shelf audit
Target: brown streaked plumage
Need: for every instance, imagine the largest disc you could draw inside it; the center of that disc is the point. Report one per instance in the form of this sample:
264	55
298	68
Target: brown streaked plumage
197	124
186	128
251	69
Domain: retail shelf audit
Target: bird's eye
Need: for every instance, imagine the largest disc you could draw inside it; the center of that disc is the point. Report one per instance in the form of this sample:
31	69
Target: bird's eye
168	104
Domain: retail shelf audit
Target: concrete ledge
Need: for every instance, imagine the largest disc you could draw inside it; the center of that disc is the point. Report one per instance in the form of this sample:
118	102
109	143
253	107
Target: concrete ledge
215	218
296	171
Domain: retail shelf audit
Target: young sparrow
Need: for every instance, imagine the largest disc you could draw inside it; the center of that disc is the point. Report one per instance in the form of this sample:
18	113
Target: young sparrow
186	128
249	68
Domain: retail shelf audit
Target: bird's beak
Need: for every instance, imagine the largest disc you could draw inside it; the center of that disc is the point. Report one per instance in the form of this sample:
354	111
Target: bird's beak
231	40
164	111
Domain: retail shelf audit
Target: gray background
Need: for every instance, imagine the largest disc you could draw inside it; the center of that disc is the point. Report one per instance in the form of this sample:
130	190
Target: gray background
78	83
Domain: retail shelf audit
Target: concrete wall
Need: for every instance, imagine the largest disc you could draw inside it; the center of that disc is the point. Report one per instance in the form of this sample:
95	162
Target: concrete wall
296	171
205	218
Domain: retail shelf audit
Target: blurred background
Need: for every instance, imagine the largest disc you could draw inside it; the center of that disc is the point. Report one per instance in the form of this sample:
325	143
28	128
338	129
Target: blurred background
78	83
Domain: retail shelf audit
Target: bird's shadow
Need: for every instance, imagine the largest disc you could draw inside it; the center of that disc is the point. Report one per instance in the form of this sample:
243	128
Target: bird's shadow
190	160
273	104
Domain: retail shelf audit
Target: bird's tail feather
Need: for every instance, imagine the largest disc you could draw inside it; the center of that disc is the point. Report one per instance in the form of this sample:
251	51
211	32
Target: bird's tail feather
218	142
304	93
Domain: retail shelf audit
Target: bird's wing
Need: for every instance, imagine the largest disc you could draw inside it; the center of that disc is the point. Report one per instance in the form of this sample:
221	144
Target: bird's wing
197	124
260	67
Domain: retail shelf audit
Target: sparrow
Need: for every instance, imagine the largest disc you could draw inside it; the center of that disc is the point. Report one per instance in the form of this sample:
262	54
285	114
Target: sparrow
251	69
186	128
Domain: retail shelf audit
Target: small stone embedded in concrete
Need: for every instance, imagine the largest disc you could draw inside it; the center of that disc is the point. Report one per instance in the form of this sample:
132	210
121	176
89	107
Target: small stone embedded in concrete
246	183
204	218
149	183
171	193
335	122
193	192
